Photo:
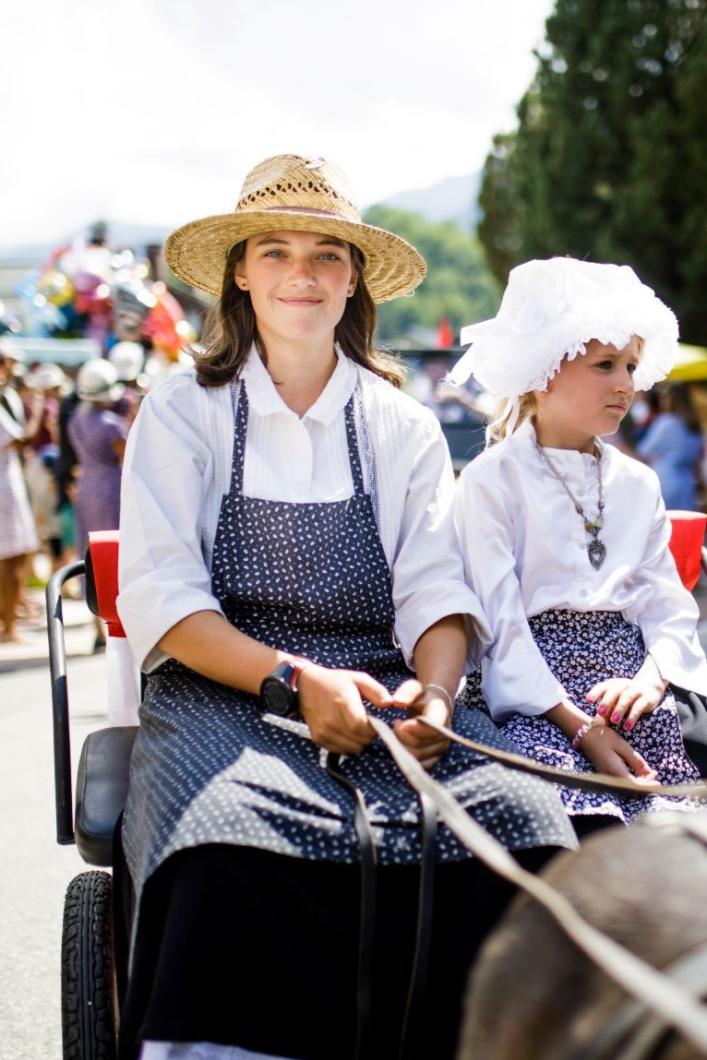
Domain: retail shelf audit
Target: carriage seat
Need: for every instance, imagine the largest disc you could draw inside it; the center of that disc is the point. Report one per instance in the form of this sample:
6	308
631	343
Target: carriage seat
101	790
102	776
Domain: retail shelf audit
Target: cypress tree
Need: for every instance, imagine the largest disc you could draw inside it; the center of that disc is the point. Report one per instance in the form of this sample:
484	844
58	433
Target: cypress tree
609	161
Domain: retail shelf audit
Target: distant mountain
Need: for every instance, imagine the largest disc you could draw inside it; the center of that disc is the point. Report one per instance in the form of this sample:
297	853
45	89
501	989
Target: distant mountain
120	235
452	199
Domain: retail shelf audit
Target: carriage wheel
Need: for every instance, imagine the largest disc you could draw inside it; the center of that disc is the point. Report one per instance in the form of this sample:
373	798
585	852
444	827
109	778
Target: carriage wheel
87	974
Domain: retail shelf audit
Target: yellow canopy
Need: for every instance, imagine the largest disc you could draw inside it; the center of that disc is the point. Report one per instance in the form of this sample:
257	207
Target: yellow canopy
690	364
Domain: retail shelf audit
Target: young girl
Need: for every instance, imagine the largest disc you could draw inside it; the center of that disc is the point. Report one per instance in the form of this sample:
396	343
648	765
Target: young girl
566	539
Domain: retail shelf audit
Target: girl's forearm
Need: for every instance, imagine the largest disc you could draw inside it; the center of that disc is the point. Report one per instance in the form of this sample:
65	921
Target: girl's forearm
649	672
440	654
567	717
207	643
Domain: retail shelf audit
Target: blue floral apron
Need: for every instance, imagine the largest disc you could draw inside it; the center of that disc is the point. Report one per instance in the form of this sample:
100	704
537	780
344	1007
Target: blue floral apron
210	767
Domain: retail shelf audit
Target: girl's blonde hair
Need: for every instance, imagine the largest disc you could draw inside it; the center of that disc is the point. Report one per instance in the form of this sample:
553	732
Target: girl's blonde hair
498	428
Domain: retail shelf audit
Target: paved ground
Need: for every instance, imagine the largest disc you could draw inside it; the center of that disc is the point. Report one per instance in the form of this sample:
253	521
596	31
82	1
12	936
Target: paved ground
34	870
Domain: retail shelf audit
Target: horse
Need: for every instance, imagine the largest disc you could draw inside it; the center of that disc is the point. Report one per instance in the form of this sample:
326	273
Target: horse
534	995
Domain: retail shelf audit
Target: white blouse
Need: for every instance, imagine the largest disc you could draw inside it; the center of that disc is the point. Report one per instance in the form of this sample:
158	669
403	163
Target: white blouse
525	551
178	466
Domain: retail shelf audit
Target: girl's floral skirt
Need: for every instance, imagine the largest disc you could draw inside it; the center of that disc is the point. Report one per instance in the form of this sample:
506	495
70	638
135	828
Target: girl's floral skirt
581	649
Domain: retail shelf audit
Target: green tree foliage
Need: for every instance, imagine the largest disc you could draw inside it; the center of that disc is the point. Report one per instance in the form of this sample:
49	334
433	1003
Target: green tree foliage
609	161
458	285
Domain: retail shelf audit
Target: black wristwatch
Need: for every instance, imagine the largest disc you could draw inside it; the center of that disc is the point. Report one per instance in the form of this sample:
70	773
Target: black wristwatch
278	691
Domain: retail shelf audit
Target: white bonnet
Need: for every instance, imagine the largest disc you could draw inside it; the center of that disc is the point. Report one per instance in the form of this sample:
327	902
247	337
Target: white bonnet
550	309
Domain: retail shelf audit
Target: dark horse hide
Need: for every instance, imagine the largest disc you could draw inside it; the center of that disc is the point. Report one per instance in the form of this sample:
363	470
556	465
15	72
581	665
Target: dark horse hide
533	995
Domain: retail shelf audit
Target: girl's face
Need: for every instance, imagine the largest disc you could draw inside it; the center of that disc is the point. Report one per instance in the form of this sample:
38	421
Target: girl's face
298	283
589	396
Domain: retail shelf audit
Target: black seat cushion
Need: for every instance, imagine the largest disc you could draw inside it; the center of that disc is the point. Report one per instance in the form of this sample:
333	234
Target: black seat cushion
101	790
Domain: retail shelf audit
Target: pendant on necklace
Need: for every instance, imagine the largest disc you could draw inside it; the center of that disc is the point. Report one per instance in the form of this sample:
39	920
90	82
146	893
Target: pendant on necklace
596	550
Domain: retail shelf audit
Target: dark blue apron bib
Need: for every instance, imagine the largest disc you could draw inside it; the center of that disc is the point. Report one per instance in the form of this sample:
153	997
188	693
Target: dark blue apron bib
209	767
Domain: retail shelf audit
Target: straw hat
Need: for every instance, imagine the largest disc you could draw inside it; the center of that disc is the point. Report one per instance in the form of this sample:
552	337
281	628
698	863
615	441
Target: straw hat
550	310
98	381
297	194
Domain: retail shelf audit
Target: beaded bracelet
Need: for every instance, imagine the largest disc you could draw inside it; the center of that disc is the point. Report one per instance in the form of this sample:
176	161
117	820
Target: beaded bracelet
582	731
580	734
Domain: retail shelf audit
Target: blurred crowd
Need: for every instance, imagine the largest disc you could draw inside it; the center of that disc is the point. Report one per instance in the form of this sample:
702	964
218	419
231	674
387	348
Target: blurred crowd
426	381
63	425
669	434
62	435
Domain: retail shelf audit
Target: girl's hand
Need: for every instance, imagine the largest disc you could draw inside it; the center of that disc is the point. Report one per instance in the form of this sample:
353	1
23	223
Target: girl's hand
623	700
609	753
330	702
425	744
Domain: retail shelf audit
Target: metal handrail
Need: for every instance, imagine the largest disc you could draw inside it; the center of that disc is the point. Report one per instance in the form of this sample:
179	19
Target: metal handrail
60	701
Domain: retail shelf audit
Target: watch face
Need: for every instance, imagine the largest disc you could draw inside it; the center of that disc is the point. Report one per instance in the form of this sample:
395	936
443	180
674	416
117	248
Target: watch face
279	698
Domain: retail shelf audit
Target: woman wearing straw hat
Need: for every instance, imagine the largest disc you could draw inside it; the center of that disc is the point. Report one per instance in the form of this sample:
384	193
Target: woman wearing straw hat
286	529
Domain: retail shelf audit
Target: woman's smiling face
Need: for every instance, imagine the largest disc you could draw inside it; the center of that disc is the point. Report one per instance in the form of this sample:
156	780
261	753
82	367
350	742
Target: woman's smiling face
298	283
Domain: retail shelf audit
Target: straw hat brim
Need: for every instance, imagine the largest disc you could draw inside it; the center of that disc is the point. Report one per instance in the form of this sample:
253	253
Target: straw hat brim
197	251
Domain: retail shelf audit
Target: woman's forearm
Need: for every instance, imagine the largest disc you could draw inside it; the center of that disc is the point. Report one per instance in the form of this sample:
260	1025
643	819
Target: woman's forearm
441	652
207	643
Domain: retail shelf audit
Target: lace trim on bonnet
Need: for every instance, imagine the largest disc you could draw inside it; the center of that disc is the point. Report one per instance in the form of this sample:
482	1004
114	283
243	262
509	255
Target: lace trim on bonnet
550	310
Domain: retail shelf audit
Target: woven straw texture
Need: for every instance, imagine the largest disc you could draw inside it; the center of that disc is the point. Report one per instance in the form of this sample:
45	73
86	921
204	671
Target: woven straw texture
293	193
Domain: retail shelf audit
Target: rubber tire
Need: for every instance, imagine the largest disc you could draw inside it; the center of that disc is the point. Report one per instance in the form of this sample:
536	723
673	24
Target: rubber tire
88	1011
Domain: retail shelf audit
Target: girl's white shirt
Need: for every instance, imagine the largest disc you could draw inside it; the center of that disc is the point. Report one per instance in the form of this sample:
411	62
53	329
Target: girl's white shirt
525	551
178	466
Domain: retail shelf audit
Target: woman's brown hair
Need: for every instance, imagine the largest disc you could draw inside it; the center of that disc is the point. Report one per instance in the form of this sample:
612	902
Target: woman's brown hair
230	329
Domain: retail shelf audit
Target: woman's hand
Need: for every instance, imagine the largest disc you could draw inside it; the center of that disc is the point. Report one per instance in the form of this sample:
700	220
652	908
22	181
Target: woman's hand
330	701
425	744
609	753
625	700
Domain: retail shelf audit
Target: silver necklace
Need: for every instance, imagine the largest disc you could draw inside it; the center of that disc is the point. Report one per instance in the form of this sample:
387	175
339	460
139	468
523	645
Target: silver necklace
596	549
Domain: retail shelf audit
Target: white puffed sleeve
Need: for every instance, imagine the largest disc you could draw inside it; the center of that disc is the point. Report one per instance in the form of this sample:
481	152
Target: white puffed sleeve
665	611
163	575
427	571
515	677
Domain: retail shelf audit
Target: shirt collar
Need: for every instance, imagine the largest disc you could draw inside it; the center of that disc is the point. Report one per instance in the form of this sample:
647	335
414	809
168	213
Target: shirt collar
264	399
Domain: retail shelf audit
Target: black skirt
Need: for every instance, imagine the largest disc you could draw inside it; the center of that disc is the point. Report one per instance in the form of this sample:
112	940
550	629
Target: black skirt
245	947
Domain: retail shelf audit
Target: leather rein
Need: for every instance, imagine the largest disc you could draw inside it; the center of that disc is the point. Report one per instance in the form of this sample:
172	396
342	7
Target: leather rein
660	1000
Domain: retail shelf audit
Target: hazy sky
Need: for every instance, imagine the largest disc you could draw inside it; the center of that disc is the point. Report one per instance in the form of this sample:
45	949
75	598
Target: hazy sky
151	111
